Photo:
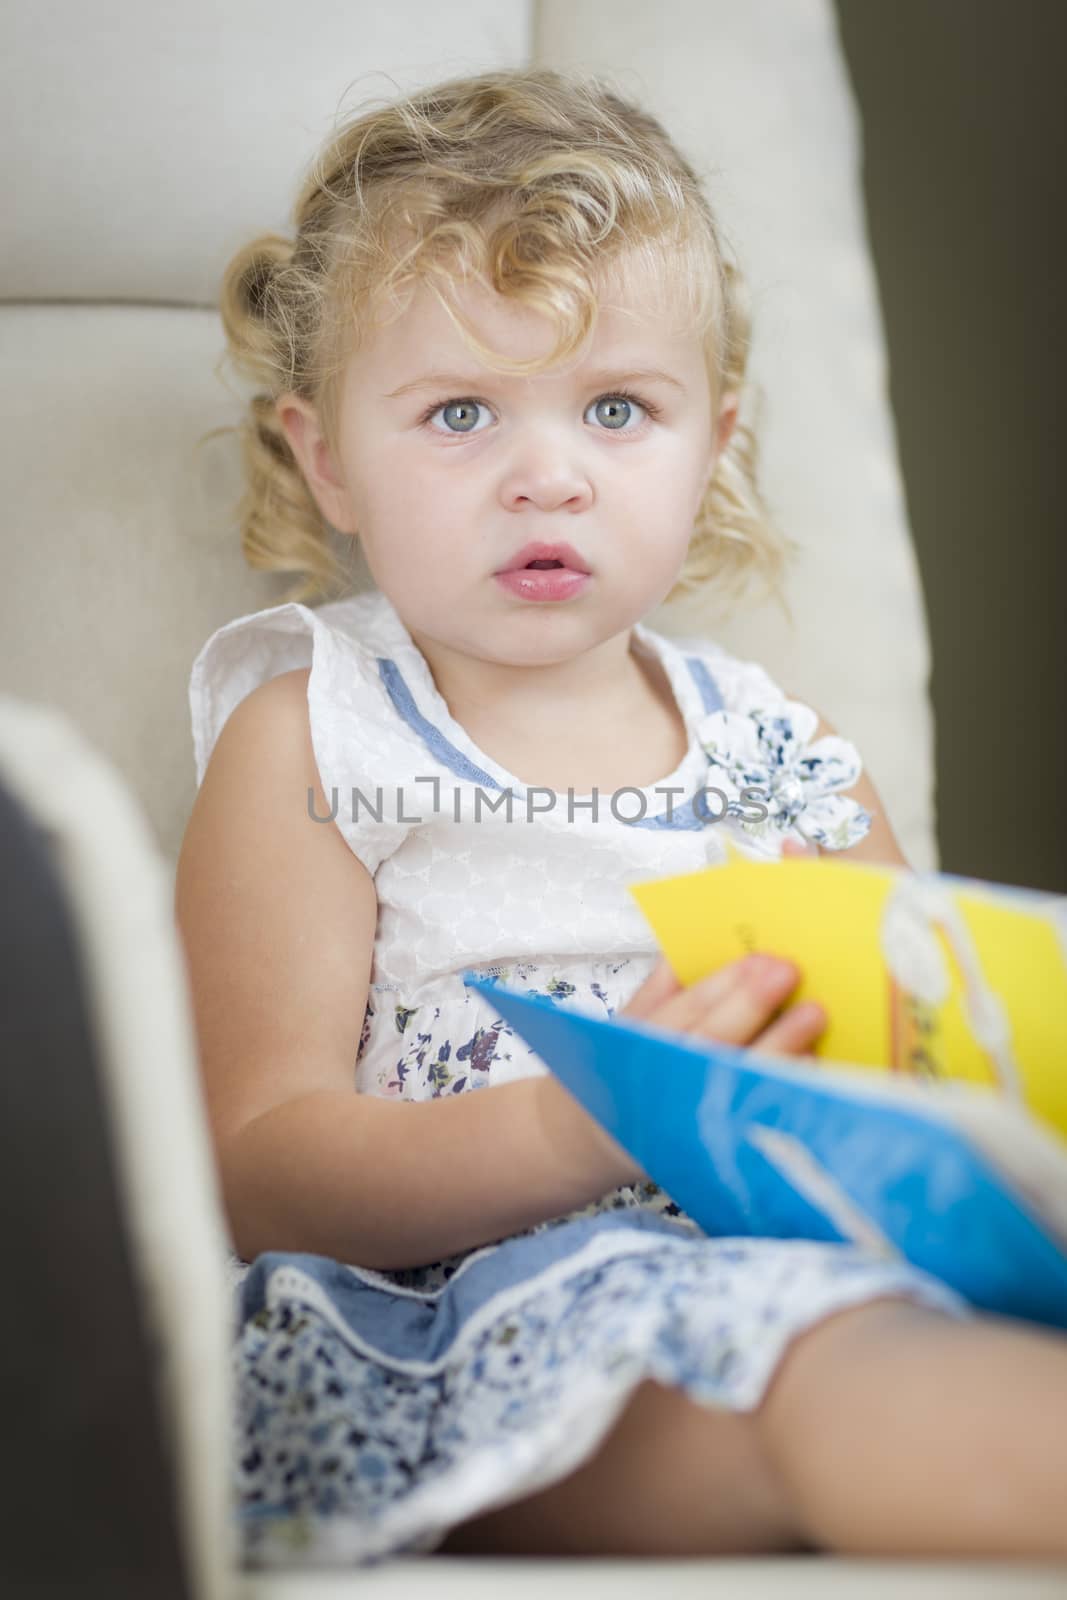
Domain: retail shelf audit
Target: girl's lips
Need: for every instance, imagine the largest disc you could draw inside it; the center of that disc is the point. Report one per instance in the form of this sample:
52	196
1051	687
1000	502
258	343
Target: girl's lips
541	583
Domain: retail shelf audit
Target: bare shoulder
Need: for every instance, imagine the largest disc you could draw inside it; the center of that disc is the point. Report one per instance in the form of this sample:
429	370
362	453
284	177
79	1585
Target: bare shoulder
277	916
262	756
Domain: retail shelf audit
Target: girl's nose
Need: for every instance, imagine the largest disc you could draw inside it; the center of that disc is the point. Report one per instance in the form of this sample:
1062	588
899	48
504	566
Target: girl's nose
548	491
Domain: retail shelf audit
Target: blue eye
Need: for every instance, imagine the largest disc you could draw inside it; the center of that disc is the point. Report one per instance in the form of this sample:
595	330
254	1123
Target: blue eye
465	409
613	404
618	409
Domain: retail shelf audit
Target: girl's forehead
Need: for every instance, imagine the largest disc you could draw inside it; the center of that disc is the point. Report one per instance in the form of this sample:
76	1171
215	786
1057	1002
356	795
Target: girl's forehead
634	313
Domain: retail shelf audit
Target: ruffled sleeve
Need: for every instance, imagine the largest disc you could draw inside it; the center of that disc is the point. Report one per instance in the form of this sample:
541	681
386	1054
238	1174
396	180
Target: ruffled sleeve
360	755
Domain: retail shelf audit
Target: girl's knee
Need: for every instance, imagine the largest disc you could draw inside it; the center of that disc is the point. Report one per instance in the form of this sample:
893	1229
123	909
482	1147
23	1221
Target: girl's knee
817	1362
818	1350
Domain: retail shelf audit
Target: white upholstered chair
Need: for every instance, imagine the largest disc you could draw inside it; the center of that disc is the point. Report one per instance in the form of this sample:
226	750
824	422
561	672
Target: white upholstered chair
141	146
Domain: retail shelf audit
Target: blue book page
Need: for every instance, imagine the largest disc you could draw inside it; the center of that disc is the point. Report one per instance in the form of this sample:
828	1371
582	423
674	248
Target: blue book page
747	1147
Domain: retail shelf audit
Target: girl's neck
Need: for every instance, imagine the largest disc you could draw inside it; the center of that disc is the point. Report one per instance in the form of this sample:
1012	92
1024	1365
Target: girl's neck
603	721
604	681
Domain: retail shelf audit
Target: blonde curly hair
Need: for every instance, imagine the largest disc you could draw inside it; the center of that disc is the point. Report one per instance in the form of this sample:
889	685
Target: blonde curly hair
532	181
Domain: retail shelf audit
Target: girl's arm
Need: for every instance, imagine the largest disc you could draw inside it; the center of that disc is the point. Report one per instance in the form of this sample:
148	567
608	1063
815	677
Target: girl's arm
277	918
879	844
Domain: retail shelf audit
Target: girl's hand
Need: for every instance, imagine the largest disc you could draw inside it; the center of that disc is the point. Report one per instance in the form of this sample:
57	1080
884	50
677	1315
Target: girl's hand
736	1004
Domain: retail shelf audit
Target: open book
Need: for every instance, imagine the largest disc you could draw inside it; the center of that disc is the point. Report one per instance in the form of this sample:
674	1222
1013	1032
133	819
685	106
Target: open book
932	1123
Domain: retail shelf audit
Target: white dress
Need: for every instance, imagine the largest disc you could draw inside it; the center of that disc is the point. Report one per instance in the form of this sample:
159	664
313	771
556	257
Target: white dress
375	1410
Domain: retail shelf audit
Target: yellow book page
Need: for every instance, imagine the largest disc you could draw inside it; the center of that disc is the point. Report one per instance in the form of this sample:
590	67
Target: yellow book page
917	977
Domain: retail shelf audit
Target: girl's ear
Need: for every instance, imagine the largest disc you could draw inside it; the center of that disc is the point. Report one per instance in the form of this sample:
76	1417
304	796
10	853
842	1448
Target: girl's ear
727	420
300	424
724	427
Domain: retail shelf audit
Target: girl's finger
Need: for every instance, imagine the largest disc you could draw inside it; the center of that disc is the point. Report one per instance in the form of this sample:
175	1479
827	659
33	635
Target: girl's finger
795	1031
658	987
734	1003
793	847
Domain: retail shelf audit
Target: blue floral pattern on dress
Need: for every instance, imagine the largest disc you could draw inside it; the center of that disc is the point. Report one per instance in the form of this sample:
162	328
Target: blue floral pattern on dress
345	1454
430	1066
771	750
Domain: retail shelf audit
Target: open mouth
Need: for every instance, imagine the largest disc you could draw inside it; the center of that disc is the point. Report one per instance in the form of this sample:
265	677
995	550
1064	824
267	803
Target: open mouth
541	566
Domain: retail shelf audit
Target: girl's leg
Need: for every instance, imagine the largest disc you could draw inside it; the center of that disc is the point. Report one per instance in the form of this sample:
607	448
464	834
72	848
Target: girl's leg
671	1478
887	1429
897	1430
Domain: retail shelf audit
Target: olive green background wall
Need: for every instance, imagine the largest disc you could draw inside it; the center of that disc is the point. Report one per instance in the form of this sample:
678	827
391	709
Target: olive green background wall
963	131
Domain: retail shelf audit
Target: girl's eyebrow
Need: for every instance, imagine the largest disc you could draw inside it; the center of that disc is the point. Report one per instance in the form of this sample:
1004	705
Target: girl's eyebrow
468	383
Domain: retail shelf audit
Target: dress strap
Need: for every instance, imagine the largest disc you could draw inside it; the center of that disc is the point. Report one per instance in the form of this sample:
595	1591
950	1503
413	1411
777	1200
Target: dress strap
710	693
443	749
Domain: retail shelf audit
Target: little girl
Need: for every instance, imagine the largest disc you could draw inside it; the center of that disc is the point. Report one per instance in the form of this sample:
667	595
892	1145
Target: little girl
505	350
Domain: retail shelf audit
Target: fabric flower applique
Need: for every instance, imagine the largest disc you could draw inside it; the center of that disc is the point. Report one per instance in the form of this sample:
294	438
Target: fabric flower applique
770	749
